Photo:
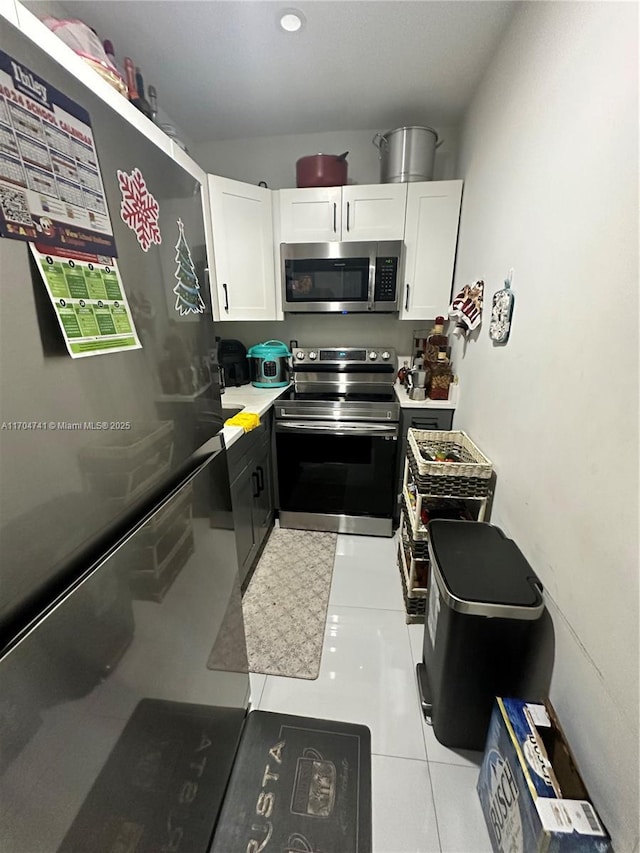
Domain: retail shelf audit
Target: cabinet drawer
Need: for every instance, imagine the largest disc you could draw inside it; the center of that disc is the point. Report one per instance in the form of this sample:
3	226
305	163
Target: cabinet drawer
244	451
435	419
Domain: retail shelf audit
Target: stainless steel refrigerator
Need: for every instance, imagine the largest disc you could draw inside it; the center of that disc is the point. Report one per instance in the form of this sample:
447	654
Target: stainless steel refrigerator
118	561
124	679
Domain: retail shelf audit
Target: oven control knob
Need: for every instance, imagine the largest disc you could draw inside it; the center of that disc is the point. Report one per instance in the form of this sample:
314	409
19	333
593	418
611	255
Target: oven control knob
313	355
373	355
385	355
300	355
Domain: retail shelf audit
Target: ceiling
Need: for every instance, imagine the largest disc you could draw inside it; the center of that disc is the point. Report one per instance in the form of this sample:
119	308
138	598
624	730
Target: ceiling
223	69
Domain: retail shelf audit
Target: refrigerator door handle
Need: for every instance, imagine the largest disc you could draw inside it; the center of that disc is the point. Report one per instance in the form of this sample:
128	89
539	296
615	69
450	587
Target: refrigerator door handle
202	458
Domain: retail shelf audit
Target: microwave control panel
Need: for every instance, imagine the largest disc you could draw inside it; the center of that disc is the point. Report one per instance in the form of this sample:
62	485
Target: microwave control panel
385	289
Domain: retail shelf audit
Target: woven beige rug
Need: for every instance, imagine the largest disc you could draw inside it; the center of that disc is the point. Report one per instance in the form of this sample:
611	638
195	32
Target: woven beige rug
285	604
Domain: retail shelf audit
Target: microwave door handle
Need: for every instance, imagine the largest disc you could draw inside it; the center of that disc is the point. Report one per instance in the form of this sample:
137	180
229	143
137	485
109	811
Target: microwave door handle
372	278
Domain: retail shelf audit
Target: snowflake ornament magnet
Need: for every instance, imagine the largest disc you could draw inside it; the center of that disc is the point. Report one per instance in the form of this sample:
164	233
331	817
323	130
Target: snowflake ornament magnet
139	209
187	290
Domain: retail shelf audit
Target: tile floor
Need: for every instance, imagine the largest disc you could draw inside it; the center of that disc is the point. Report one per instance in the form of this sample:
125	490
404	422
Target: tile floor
424	797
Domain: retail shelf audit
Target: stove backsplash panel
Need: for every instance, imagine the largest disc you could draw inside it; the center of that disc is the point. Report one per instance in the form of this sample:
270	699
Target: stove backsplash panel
327	330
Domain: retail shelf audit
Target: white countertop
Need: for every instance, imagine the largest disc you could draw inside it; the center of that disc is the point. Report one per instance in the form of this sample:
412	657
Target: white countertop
260	400
254	400
406	403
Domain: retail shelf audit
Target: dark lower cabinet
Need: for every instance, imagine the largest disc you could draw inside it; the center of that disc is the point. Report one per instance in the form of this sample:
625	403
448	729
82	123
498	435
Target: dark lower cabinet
242	500
251	493
263	502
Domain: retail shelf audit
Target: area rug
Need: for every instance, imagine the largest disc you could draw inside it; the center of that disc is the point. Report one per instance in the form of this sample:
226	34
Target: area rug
285	605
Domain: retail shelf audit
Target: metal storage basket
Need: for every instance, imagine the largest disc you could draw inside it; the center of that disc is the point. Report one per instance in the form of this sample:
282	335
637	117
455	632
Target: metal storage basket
471	477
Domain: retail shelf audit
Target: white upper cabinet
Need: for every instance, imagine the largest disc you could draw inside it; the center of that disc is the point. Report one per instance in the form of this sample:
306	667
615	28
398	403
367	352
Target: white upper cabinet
431	234
374	212
351	213
310	215
243	250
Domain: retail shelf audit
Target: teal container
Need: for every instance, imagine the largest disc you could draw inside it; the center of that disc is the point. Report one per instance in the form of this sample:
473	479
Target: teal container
269	364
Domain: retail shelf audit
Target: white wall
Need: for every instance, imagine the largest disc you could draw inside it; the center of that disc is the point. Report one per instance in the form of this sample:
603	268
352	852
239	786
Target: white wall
42	8
65	11
273	158
549	155
330	330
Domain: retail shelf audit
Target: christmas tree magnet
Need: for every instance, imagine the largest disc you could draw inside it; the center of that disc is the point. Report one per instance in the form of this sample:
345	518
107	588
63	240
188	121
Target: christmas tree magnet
187	290
139	209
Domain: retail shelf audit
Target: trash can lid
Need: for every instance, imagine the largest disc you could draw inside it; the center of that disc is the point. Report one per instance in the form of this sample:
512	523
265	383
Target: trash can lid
480	571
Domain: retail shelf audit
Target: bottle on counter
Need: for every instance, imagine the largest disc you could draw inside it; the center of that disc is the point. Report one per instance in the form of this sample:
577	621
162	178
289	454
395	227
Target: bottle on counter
139	102
115	75
111	54
108	49
441	377
436	341
153	101
145	106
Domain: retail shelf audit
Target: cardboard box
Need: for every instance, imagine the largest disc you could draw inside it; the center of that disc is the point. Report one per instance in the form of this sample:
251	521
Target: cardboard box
532	795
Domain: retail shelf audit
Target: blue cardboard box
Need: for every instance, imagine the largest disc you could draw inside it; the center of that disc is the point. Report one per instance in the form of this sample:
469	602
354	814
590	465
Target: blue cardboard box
532	796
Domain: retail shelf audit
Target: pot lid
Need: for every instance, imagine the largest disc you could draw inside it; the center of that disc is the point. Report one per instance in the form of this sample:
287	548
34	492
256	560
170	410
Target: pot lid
339	157
411	127
269	349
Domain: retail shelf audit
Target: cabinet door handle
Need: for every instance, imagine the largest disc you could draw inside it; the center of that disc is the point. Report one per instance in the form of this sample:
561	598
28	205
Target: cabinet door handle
254	477
226	296
335	220
260	471
347	216
406	301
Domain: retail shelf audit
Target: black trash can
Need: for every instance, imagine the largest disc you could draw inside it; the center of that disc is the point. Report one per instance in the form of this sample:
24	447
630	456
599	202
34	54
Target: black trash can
483	602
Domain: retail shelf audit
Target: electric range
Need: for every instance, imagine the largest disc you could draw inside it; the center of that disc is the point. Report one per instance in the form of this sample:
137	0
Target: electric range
337	441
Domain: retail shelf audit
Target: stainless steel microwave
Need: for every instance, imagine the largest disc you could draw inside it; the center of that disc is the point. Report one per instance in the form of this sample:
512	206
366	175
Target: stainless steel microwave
341	277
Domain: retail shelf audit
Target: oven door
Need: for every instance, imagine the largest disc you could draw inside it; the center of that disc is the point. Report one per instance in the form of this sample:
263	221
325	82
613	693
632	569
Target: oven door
334	277
337	475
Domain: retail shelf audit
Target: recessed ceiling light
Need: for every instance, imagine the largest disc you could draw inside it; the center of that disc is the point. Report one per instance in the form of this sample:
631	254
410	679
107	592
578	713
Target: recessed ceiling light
291	20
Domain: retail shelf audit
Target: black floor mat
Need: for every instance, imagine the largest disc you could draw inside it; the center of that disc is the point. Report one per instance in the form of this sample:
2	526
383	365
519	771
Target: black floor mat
162	786
298	784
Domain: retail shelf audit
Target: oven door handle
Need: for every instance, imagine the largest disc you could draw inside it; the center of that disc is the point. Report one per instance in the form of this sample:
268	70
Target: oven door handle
338	428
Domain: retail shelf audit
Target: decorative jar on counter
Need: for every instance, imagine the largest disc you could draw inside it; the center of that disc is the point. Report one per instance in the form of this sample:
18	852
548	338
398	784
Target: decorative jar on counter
441	376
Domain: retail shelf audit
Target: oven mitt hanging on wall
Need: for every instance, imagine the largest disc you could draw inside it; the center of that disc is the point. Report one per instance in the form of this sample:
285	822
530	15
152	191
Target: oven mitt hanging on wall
501	311
467	307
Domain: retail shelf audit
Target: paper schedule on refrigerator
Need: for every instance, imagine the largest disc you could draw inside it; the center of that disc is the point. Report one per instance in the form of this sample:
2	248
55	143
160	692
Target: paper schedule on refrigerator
90	303
51	189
